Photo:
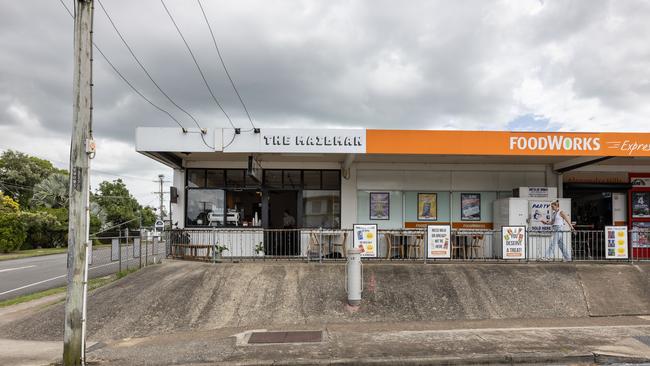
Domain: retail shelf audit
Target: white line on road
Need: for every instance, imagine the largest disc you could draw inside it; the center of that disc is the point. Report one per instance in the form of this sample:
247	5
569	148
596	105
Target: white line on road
15	269
49	279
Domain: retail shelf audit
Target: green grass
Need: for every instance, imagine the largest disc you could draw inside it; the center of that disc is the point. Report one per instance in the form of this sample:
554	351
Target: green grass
93	283
32	253
39	252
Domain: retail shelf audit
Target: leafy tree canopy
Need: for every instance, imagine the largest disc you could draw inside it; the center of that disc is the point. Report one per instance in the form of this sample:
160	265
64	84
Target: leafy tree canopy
19	173
118	204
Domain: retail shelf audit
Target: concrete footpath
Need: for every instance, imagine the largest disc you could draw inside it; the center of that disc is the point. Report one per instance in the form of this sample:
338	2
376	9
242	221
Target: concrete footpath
542	341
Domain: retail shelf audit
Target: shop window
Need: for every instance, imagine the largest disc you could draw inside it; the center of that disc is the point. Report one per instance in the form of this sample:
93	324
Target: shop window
243	208
311	179
215	178
235	178
196	178
273	178
331	179
321	209
205	207
292	179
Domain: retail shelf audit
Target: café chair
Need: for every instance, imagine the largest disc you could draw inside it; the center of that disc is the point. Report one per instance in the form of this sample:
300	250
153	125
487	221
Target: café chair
416	246
391	246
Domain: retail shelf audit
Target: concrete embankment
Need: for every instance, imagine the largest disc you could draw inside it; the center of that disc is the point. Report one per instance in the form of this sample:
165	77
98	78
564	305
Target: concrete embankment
182	296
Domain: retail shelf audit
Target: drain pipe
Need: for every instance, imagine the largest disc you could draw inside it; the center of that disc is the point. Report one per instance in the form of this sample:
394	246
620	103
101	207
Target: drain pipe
354	277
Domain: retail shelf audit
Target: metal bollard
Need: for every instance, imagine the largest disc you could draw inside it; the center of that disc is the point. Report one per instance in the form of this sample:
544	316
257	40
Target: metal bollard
354	277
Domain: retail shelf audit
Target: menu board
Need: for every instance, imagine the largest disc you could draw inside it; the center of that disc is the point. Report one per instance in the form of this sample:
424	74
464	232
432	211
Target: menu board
616	242
438	241
365	239
514	242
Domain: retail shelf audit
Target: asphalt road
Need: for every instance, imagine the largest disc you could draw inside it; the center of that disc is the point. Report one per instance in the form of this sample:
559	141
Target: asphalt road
28	275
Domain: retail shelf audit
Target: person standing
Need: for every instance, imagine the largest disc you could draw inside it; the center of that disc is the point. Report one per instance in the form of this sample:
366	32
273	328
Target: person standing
559	222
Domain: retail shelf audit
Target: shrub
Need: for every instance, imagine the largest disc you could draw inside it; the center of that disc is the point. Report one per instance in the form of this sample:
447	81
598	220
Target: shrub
12	230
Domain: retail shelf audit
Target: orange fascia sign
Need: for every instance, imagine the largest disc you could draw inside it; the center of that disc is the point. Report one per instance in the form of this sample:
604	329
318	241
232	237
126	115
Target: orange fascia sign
427	142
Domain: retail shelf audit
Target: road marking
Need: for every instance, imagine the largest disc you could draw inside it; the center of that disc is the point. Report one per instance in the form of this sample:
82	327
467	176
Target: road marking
49	279
15	269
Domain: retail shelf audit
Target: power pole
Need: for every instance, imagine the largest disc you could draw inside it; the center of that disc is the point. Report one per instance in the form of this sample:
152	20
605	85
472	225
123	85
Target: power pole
161	194
80	149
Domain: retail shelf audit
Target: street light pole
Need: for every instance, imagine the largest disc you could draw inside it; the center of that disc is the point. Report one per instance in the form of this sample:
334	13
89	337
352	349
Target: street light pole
81	147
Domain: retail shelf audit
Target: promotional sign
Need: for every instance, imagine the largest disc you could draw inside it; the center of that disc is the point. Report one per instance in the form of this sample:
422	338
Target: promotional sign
427	207
438	241
514	242
616	242
640	205
539	211
470	206
641	234
365	239
379	206
538	192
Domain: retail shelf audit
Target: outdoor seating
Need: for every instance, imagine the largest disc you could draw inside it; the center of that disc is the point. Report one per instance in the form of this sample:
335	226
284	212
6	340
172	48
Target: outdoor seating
417	247
459	244
476	244
392	242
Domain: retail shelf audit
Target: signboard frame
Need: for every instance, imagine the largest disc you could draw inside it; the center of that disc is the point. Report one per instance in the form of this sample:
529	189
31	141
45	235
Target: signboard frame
447	255
616	242
523	242
363	242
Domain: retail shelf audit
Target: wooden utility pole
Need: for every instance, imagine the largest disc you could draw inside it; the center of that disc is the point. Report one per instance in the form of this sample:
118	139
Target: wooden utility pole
80	149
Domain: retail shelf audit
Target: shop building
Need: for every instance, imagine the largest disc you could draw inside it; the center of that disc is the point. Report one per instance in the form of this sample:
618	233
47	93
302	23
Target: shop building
396	179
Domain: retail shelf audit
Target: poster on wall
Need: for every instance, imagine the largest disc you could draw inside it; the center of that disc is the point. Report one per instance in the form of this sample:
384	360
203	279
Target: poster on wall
427	207
539	211
365	239
640	205
379	206
641	234
438	241
470	206
616	242
513	242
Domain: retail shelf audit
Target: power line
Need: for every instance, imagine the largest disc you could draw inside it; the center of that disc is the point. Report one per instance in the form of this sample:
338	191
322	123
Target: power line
144	69
205	81
125	79
214	40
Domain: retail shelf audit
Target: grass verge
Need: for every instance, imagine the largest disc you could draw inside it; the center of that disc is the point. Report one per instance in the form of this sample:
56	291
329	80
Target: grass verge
32	253
92	284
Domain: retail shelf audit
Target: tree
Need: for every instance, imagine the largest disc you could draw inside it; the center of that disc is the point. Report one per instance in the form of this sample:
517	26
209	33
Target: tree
148	216
52	192
12	231
117	203
19	173
43	230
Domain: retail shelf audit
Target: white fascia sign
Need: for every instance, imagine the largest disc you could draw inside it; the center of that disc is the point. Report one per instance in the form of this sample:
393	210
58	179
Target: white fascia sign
284	140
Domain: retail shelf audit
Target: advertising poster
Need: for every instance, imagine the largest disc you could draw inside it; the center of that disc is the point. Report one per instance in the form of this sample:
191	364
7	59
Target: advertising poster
427	206
514	242
538	192
438	241
616	242
470	206
379	206
640	204
365	239
641	234
538	211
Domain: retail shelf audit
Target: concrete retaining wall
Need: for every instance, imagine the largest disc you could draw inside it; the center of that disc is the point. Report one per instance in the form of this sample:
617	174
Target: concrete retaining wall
179	296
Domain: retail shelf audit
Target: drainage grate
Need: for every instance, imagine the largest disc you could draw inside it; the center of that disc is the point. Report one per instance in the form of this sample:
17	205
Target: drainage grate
643	339
301	336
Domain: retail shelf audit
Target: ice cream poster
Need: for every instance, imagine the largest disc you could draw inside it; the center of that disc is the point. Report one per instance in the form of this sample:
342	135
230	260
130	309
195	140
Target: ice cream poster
365	239
514	242
616	242
438	241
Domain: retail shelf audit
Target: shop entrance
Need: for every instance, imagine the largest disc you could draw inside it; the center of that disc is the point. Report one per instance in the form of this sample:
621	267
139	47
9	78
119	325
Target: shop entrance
283	217
591	210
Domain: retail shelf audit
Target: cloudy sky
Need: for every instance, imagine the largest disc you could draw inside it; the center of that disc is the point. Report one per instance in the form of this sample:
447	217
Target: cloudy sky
493	65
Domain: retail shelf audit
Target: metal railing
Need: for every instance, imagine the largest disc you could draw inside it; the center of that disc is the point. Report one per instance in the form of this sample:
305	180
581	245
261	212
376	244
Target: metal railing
320	245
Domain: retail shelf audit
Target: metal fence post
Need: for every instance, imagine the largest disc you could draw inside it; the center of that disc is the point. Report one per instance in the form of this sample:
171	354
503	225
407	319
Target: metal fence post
146	254
119	252
320	245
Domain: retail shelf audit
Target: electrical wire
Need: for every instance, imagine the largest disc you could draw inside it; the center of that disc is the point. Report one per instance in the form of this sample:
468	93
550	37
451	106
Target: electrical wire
205	81
144	69
214	41
125	79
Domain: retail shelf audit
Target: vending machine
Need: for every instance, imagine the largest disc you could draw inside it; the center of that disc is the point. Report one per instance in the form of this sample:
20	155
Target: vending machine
531	212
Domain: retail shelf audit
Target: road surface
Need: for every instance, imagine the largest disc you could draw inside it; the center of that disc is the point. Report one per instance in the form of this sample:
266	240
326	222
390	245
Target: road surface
28	275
